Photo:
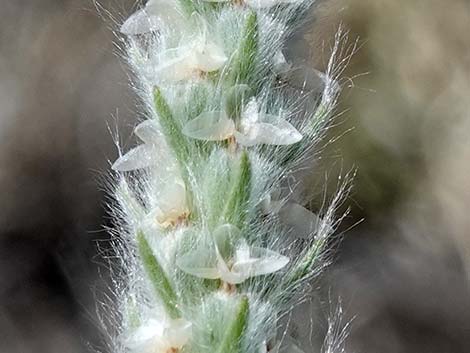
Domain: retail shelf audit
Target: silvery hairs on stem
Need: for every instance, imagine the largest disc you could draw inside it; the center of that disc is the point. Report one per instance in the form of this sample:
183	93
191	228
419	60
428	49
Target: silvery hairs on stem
213	249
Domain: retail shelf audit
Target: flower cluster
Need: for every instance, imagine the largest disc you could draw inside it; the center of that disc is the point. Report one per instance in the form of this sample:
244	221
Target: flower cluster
202	197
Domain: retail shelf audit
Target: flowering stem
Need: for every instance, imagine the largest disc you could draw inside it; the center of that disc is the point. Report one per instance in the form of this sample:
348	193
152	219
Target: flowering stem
225	138
231	341
157	276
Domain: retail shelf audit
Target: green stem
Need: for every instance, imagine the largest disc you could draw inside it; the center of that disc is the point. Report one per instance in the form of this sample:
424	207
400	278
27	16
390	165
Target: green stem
157	276
231	341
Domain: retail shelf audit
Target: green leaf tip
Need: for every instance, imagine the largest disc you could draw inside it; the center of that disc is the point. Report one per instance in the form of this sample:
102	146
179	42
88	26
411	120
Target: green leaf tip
305	265
235	99
245	60
236	207
170	127
157	276
231	341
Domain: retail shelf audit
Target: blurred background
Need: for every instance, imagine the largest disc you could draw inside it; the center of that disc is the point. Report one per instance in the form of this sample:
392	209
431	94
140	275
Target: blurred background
402	269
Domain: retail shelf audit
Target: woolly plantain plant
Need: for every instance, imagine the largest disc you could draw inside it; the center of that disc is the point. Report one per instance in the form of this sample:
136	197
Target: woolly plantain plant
214	250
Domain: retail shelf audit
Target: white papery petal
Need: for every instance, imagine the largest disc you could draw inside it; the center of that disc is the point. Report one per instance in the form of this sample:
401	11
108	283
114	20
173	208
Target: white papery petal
140	22
301	221
272	203
280	63
210	126
159	336
178	333
200	263
155	15
209	57
175	64
147	338
148	132
230	276
279	133
261	262
226	234
247	140
250	114
227	274
172	199
142	156
306	79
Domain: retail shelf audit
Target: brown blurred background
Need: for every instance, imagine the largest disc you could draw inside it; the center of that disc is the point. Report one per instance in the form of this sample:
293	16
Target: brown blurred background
402	272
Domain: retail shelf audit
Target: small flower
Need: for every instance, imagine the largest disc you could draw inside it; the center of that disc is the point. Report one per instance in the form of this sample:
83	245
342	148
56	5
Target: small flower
155	15
231	259
170	208
191	60
259	4
160	336
254	127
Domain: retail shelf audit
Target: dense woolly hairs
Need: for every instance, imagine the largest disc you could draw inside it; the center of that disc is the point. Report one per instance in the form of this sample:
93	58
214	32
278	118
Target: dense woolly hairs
190	209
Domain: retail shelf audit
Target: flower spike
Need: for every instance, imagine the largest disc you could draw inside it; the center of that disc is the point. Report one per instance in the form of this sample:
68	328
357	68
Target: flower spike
230	119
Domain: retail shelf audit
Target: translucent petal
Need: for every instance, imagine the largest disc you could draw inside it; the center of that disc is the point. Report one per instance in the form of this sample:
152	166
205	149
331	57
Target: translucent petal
172	204
302	222
169	12
306	79
146	336
175	65
209	57
200	263
173	197
246	140
271	204
250	114
148	132
140	22
142	156
280	63
230	276
226	237
261	262
210	126
178	333
279	133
